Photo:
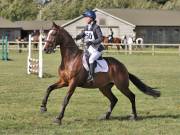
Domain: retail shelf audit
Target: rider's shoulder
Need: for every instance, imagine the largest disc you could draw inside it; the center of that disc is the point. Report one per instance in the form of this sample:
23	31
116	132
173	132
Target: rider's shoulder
86	27
96	26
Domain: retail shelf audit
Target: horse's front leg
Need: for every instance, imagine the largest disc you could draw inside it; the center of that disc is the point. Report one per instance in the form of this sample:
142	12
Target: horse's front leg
57	85
70	92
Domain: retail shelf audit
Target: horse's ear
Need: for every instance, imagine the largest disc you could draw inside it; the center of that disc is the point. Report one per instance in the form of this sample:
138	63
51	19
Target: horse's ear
54	24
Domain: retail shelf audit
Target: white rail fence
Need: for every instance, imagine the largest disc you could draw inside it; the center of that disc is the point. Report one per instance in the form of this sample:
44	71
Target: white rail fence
112	48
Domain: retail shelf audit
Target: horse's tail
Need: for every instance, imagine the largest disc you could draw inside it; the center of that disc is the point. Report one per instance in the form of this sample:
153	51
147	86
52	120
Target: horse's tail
143	87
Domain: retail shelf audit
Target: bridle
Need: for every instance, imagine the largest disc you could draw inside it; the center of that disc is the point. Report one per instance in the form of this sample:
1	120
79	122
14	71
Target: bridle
52	42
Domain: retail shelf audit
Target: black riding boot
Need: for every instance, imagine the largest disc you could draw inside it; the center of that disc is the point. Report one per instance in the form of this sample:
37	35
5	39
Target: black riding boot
91	71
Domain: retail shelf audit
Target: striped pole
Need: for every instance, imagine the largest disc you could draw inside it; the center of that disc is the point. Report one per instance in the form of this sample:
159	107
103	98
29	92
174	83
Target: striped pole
6	49
3	47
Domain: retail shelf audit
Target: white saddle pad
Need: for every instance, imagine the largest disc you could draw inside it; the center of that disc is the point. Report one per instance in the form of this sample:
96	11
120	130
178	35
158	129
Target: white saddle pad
102	65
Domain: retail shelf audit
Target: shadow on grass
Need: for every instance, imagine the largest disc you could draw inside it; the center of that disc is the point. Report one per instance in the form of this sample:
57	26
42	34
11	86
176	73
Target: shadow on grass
122	118
47	75
7	59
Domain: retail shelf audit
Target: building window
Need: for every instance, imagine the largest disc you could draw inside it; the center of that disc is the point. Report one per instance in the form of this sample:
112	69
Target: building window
160	30
176	30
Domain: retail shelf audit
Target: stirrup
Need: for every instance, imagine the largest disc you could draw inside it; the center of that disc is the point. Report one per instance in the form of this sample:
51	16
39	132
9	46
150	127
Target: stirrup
90	78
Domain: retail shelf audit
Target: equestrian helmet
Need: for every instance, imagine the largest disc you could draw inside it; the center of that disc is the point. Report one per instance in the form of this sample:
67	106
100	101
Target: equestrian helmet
90	13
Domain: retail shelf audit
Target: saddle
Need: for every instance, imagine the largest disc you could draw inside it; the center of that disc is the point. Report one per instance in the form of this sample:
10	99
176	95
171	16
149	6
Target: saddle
100	64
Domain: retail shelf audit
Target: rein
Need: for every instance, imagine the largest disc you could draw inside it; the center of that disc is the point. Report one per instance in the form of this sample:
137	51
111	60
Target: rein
53	41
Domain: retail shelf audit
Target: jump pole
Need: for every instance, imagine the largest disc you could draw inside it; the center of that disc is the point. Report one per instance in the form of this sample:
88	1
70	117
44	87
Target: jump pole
40	74
29	55
3	47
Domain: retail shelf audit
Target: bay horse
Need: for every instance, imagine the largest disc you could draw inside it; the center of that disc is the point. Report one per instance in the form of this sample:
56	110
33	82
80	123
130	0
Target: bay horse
115	40
35	38
73	74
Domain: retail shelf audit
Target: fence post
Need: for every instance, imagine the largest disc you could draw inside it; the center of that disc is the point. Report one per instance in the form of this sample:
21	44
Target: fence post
125	49
153	50
130	48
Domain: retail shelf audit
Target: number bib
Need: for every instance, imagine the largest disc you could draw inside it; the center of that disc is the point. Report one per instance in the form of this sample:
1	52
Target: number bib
89	36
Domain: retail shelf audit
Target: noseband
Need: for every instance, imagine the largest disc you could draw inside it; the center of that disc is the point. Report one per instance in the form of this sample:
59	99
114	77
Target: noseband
50	42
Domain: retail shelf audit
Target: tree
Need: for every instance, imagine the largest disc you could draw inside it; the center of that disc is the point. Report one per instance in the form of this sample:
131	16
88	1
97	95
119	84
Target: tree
53	11
20	10
68	9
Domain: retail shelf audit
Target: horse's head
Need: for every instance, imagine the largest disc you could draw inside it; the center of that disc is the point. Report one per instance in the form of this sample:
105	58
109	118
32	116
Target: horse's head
53	38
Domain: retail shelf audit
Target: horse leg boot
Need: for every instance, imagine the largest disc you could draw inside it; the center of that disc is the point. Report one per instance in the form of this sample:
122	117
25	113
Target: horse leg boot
70	92
106	91
48	91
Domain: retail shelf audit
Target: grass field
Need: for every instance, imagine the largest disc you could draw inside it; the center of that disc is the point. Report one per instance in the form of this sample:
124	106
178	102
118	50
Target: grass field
21	95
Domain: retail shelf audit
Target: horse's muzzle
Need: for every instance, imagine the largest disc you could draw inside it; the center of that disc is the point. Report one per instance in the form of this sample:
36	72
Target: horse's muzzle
46	50
49	50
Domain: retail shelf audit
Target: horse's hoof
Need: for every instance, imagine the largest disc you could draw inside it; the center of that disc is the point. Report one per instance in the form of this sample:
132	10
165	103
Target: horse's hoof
133	118
43	109
57	121
103	117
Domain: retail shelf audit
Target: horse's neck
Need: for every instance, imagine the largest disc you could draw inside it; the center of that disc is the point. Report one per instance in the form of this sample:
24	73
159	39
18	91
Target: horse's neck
68	49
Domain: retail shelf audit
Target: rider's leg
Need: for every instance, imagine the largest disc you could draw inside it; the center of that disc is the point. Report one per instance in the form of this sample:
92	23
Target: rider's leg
94	56
111	41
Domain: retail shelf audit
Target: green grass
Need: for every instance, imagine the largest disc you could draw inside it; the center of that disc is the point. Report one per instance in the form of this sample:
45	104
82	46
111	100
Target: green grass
21	95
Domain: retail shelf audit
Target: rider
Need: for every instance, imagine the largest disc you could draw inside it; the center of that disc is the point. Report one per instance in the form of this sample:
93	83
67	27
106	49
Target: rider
110	37
92	36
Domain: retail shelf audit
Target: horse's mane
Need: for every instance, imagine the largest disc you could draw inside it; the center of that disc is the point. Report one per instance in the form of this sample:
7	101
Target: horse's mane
69	40
67	35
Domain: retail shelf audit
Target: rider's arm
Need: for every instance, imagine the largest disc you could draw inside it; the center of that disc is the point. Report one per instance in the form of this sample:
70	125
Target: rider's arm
81	35
99	36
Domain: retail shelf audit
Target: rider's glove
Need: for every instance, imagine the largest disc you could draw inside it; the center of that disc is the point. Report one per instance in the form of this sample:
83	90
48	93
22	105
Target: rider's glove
78	37
89	43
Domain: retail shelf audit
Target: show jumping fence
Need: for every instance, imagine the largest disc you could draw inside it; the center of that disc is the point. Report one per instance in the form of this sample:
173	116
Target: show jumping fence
34	65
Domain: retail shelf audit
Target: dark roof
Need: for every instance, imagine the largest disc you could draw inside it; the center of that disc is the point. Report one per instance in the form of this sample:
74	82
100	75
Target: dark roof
4	23
144	17
38	24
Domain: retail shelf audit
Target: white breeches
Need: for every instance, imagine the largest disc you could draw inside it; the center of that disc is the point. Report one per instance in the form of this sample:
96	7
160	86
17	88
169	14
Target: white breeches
94	54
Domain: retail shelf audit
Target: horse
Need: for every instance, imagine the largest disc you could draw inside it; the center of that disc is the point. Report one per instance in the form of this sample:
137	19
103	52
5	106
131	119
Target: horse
115	40
35	38
139	43
73	74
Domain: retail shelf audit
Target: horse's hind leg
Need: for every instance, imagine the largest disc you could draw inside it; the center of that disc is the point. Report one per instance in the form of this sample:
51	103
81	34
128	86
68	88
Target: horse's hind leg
48	91
113	100
126	91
